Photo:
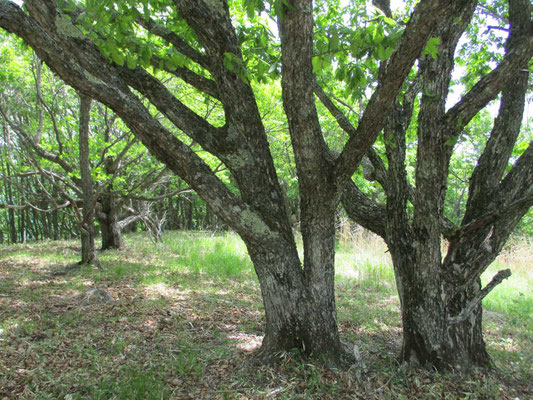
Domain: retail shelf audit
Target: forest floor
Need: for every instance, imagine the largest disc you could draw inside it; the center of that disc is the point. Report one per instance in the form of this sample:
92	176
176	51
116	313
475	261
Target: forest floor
187	319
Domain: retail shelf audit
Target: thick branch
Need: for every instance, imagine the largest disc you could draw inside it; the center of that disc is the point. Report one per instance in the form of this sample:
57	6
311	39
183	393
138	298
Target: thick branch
490	218
362	210
411	45
518	183
489	86
179	114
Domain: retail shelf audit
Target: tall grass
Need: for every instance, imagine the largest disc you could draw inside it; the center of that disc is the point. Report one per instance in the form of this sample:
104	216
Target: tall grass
218	255
363	257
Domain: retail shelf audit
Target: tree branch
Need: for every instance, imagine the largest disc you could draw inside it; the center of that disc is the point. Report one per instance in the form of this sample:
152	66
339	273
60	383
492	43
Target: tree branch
488	87
362	210
416	34
345	124
472	304
26	138
490	218
178	113
179	44
197	81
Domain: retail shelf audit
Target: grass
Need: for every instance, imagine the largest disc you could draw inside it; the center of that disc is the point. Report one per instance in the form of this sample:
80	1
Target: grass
188	318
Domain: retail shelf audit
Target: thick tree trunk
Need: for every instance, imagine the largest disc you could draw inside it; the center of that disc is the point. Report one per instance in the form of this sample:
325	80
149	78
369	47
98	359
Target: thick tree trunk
299	314
429	338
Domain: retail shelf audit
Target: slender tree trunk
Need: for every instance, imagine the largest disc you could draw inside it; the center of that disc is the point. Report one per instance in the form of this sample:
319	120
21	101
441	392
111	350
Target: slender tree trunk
10	212
189	214
88	250
55	224
22	218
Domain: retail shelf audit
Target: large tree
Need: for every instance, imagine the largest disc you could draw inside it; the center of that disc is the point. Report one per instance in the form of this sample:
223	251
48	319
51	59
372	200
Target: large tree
441	293
206	43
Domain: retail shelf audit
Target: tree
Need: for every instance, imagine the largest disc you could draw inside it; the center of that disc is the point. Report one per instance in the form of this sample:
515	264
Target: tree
88	251
208	44
441	294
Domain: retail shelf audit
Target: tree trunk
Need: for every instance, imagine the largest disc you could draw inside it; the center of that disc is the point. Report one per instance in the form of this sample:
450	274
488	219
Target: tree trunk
88	250
109	223
11	212
300	311
428	336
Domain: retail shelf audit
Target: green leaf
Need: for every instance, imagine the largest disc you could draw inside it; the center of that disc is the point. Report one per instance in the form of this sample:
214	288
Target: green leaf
333	44
228	61
118	57
432	47
131	61
381	53
317	65
146	57
452	141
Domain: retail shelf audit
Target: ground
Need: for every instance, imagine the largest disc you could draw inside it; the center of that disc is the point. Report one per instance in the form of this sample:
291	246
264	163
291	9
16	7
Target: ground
187	319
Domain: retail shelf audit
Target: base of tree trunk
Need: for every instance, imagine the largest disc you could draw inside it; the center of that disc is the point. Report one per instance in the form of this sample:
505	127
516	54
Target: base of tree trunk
460	347
272	353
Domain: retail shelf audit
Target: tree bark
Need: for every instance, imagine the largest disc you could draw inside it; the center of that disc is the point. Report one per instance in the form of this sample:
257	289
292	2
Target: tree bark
300	310
109	222
88	250
109	212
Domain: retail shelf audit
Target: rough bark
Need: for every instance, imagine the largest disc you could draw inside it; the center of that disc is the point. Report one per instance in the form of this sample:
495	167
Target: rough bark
108	213
108	218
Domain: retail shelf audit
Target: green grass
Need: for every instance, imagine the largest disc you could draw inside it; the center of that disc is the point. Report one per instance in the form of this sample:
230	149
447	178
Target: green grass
188	318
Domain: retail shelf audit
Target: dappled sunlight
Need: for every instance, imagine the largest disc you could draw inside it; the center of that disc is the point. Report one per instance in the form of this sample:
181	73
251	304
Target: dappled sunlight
185	325
161	289
246	342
